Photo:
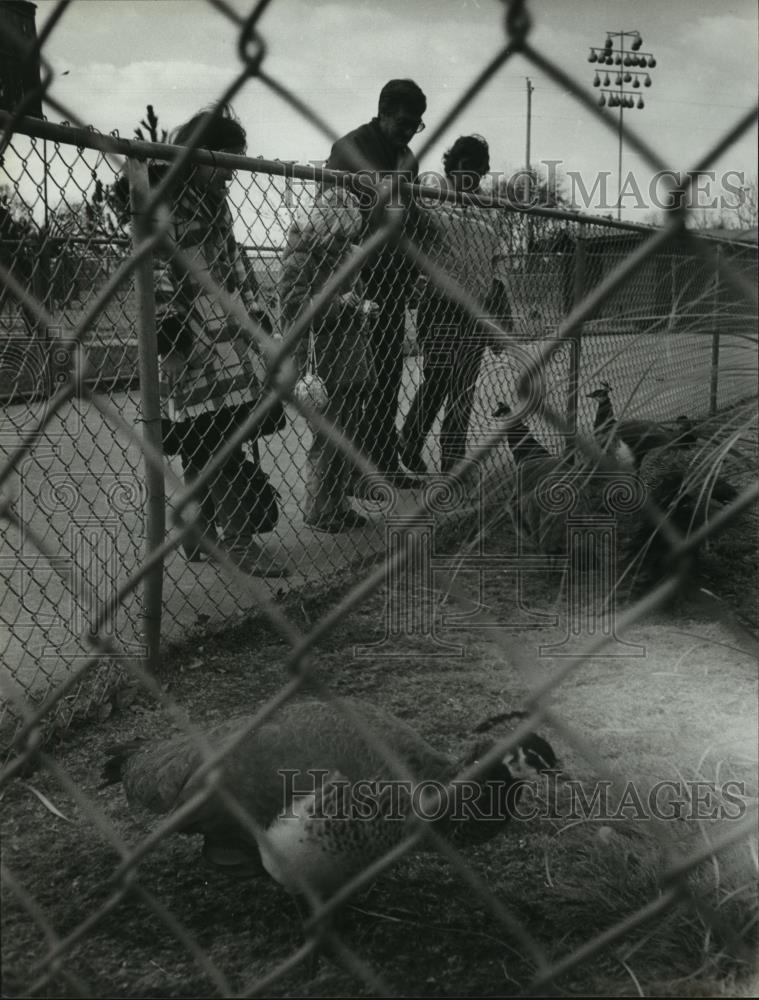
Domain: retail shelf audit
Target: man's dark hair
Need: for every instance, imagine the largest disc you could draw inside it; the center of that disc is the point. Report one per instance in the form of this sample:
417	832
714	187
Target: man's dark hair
406	94
468	150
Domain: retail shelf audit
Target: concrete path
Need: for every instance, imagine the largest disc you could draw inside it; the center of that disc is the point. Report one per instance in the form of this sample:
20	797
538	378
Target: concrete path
80	492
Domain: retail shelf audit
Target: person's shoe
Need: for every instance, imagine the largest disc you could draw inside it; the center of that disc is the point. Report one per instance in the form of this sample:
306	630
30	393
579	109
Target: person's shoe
205	521
337	523
195	552
411	458
369	488
252	559
360	489
403	480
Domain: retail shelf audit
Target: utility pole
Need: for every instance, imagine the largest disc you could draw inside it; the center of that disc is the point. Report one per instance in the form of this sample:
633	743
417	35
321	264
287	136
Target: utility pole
528	178
608	55
530	89
528	175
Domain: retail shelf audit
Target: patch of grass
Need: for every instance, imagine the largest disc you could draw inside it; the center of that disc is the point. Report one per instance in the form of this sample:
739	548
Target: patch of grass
687	709
420	926
423	928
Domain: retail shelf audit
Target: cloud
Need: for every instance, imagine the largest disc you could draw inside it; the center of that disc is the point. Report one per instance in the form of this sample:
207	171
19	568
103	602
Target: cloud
336	55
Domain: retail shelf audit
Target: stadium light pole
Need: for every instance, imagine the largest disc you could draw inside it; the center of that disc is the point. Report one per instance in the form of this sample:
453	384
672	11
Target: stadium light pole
615	53
530	89
527	171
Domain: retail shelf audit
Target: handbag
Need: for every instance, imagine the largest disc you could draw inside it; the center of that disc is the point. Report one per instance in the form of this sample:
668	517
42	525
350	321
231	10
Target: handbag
172	334
263	512
311	388
172	438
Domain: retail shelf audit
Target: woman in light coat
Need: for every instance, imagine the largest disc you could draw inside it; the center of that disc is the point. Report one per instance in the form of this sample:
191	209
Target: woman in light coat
318	243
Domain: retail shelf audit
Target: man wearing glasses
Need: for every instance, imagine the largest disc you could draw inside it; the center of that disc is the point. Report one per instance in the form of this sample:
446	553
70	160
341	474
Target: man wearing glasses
377	150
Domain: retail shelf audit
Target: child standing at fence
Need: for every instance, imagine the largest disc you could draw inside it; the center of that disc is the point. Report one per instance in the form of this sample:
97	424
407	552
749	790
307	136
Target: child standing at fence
211	374
318	242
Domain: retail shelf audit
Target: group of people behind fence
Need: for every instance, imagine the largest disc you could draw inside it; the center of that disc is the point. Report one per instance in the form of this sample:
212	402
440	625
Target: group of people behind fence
349	343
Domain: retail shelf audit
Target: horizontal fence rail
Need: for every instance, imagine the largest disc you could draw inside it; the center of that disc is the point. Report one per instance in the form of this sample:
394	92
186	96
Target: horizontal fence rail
204	390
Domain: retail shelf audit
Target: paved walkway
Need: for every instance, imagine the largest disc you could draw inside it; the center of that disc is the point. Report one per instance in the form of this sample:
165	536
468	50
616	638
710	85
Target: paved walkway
80	491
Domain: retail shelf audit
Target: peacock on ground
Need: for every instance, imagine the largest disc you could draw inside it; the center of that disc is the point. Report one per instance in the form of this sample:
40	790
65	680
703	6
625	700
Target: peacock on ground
321	796
549	488
628	441
684	481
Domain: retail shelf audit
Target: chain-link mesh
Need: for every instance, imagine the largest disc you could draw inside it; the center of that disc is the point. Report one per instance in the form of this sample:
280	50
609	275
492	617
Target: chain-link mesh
207	387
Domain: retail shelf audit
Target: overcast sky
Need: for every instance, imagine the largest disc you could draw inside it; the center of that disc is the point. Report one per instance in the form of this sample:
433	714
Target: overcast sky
337	54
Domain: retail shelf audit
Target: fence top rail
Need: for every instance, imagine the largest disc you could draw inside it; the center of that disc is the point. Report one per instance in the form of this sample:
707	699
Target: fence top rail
90	138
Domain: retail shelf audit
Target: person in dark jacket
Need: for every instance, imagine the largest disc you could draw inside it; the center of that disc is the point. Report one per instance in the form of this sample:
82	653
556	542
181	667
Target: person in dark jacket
462	239
377	150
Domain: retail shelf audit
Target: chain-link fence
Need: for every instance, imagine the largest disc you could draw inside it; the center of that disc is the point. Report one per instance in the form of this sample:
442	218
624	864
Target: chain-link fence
205	388
675	321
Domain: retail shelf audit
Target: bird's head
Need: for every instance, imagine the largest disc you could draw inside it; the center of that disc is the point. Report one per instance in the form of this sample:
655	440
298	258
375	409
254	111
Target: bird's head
530	758
686	433
502	410
482	806
603	392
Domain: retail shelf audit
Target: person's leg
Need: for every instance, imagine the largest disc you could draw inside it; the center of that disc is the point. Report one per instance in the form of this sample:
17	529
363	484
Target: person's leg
378	435
319	500
237	492
432	393
191	436
462	385
206	522
328	470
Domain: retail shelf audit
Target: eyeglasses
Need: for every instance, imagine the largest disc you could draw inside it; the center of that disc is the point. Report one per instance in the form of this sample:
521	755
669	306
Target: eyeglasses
410	123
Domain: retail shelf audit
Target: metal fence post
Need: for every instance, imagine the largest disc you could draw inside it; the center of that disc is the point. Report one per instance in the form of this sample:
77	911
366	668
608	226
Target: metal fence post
576	343
147	354
43	292
714	374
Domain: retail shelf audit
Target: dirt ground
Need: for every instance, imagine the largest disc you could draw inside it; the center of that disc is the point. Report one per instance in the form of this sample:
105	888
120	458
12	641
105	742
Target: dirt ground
686	709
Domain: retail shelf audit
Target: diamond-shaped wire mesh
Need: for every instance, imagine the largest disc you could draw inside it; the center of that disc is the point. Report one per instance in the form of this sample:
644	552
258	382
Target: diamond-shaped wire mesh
206	388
